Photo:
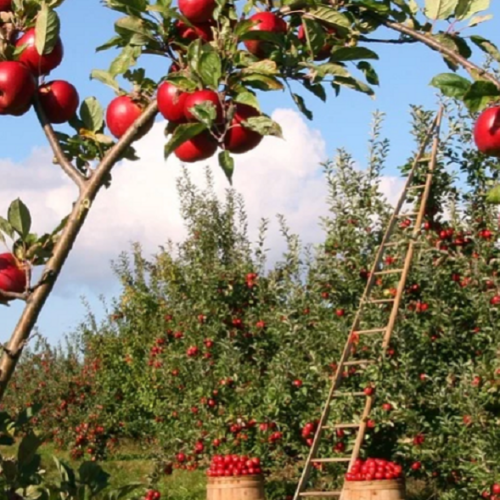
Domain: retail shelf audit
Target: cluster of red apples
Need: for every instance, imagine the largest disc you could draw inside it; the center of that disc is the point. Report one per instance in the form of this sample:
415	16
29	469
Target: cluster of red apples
18	80
234	465
374	469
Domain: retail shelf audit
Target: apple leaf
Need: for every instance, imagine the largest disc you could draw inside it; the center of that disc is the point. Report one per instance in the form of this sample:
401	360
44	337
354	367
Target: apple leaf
352	54
247	98
134	25
264	67
451	85
263	125
493	195
440	9
92	114
479	95
46	30
6	227
204	112
331	16
226	162
299	101
315	35
370	73
486	46
261	82
181	134
468	8
125	60
105	77
210	69
19	218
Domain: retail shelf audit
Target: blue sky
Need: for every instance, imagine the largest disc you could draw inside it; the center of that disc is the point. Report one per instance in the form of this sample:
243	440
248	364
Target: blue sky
405	72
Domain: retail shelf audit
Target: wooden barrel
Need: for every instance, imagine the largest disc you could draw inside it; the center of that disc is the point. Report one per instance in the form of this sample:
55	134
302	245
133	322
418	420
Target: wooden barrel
384	489
236	488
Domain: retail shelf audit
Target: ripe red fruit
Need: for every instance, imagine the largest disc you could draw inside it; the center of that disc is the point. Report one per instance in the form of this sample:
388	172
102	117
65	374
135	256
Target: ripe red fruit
340	312
297	383
487	131
495	489
198	30
199	97
5	5
12	275
416	466
17	87
171	102
322	53
495	300
239	139
198	148
387	406
122	112
264	21
59	100
39	64
197	11
369	390
180	457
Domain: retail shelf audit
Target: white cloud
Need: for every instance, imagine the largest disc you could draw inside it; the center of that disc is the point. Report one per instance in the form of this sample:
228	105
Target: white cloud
280	176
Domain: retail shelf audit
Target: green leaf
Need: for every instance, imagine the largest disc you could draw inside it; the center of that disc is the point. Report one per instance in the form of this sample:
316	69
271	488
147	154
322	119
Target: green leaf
479	19
105	77
205	112
331	69
380	7
299	101
317	89
116	41
6	227
467	8
28	448
46	30
92	114
226	162
480	95
440	9
315	35
263	125
354	84
247	98
210	69
370	74
134	25
331	17
486	46
19	218
493	195
264	67
125	60
181	134
262	82
352	53
451	85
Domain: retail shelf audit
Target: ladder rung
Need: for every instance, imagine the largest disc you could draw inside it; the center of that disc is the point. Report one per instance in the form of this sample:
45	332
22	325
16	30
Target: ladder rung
424	160
345	426
347	394
320	494
394	243
330	460
379	301
373	330
418	186
388	271
358	362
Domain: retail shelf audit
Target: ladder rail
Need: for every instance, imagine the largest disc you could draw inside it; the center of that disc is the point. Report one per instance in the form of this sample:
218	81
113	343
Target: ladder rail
433	130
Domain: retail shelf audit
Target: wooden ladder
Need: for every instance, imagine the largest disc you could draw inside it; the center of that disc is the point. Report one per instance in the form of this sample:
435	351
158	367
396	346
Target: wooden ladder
387	330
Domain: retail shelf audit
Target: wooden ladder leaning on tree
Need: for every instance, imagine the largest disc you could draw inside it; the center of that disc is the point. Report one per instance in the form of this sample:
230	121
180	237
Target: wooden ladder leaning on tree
386	331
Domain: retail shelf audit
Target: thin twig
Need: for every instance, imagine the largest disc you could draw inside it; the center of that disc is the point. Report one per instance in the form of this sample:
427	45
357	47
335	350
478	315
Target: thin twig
398	41
65	164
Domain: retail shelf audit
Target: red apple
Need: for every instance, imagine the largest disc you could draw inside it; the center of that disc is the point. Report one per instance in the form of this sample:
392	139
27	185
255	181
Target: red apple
17	87
264	21
200	147
197	11
39	64
325	51
59	100
12	274
5	5
239	139
122	112
198	30
487	131
199	97
171	102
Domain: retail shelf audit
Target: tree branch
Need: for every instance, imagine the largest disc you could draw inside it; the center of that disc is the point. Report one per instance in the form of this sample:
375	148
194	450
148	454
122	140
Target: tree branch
473	69
63	246
65	164
398	41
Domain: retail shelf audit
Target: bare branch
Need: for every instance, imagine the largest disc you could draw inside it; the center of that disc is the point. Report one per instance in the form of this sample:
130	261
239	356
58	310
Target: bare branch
13	295
66	165
398	41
